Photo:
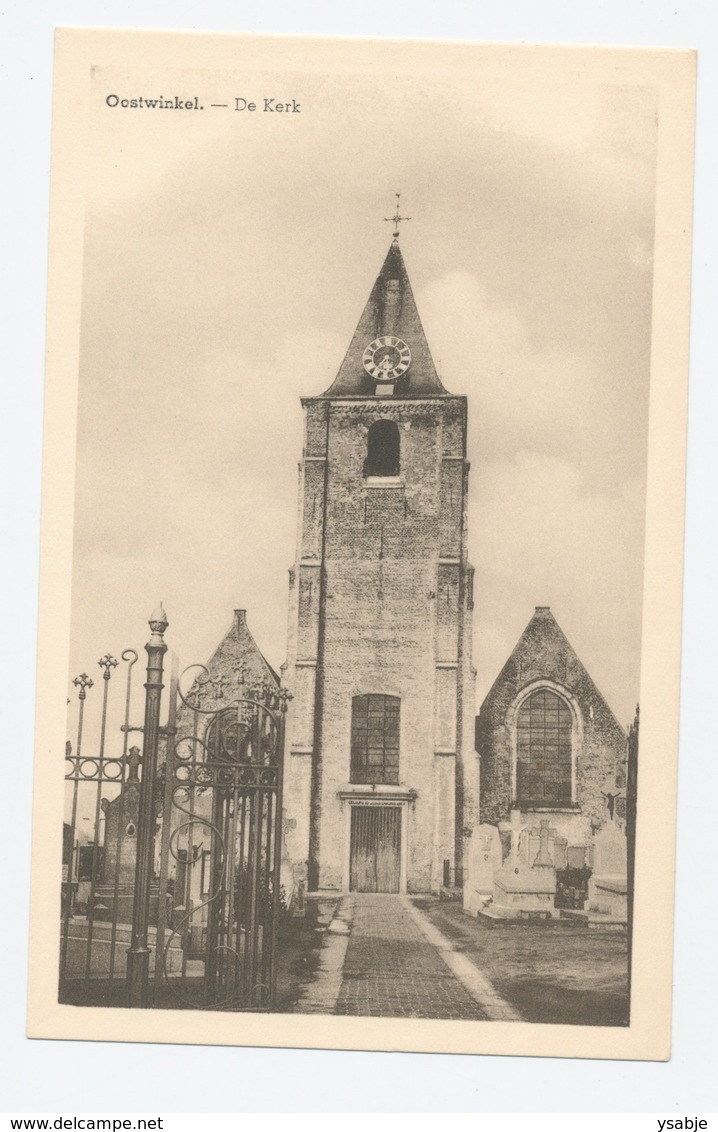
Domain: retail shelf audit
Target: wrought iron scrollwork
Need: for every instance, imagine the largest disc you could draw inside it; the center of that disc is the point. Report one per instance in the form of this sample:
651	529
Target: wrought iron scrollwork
213	823
224	765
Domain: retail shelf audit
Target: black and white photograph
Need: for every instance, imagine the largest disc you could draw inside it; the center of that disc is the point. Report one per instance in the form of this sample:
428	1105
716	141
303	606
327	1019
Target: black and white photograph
362	521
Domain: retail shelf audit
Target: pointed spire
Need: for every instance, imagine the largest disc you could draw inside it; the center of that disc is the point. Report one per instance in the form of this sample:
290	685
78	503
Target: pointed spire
391	310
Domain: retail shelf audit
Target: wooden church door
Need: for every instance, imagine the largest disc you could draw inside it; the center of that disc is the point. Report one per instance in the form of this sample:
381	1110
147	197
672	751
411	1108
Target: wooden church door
375	850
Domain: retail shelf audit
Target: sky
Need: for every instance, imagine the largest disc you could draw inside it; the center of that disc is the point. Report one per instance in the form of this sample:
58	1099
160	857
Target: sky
227	260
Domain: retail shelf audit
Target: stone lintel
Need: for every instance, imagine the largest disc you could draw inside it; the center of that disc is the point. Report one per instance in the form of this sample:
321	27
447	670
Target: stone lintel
365	795
383	481
571	809
369	400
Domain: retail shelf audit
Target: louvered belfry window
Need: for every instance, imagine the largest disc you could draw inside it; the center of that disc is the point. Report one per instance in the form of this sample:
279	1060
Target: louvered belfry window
383	449
544	737
375	740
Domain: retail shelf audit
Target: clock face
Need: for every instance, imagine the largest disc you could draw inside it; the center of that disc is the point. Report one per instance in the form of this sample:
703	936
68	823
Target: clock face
386	358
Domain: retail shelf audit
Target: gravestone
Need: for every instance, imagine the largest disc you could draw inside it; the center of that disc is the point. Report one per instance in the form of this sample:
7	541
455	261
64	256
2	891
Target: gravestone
557	846
576	857
523	890
609	852
484	860
114	893
608	887
560	848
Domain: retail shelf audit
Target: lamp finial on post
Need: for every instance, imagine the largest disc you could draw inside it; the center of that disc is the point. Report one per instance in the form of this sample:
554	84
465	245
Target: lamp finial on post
158	620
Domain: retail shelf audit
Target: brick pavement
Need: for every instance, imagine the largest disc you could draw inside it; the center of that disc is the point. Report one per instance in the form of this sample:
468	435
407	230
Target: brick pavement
392	970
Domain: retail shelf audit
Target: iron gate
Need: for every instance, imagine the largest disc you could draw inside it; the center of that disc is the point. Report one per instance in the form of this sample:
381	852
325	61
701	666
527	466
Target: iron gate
171	855
221	844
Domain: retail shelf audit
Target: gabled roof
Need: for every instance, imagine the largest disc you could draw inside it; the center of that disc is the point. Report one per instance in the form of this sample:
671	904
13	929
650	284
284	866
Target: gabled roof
238	648
391	309
235	666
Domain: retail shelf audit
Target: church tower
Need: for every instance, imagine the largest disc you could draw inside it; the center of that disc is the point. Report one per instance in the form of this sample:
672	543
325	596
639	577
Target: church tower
381	778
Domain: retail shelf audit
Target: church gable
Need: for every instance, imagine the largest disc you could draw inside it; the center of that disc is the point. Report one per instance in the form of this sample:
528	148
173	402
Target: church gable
236	666
239	655
544	652
544	690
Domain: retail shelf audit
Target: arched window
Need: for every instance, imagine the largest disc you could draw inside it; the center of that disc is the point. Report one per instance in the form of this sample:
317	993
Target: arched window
382	457
544	728
375	739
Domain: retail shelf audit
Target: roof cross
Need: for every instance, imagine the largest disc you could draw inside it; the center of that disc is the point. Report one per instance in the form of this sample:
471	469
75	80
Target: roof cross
198	692
396	219
218	683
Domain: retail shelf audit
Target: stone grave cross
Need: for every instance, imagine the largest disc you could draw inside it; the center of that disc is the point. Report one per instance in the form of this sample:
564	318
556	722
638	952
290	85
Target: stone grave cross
543	858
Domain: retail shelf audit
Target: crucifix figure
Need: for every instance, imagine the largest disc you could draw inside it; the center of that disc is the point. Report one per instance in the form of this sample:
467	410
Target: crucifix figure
610	803
543	858
516	831
396	219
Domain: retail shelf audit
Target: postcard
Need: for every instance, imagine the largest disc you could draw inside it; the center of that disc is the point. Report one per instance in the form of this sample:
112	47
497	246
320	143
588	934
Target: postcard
358	671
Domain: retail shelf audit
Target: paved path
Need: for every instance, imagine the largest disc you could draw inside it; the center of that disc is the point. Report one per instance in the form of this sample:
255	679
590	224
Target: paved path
398	965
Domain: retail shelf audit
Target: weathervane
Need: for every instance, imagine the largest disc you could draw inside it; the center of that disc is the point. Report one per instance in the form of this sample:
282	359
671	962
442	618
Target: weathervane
396	219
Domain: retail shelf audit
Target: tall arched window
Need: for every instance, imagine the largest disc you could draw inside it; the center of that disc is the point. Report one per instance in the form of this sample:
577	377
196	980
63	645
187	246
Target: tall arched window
544	728
375	739
382	457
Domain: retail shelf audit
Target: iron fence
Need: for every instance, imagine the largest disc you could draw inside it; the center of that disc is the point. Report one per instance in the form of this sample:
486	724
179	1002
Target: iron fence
171	851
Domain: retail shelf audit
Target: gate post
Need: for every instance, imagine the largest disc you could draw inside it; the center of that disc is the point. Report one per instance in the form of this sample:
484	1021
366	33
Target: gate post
138	956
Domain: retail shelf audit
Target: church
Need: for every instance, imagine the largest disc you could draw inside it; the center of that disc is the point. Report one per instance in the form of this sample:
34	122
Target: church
388	771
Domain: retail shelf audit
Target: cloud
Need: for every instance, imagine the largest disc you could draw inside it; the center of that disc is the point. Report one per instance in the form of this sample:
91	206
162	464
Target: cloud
542	536
574	404
224	281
